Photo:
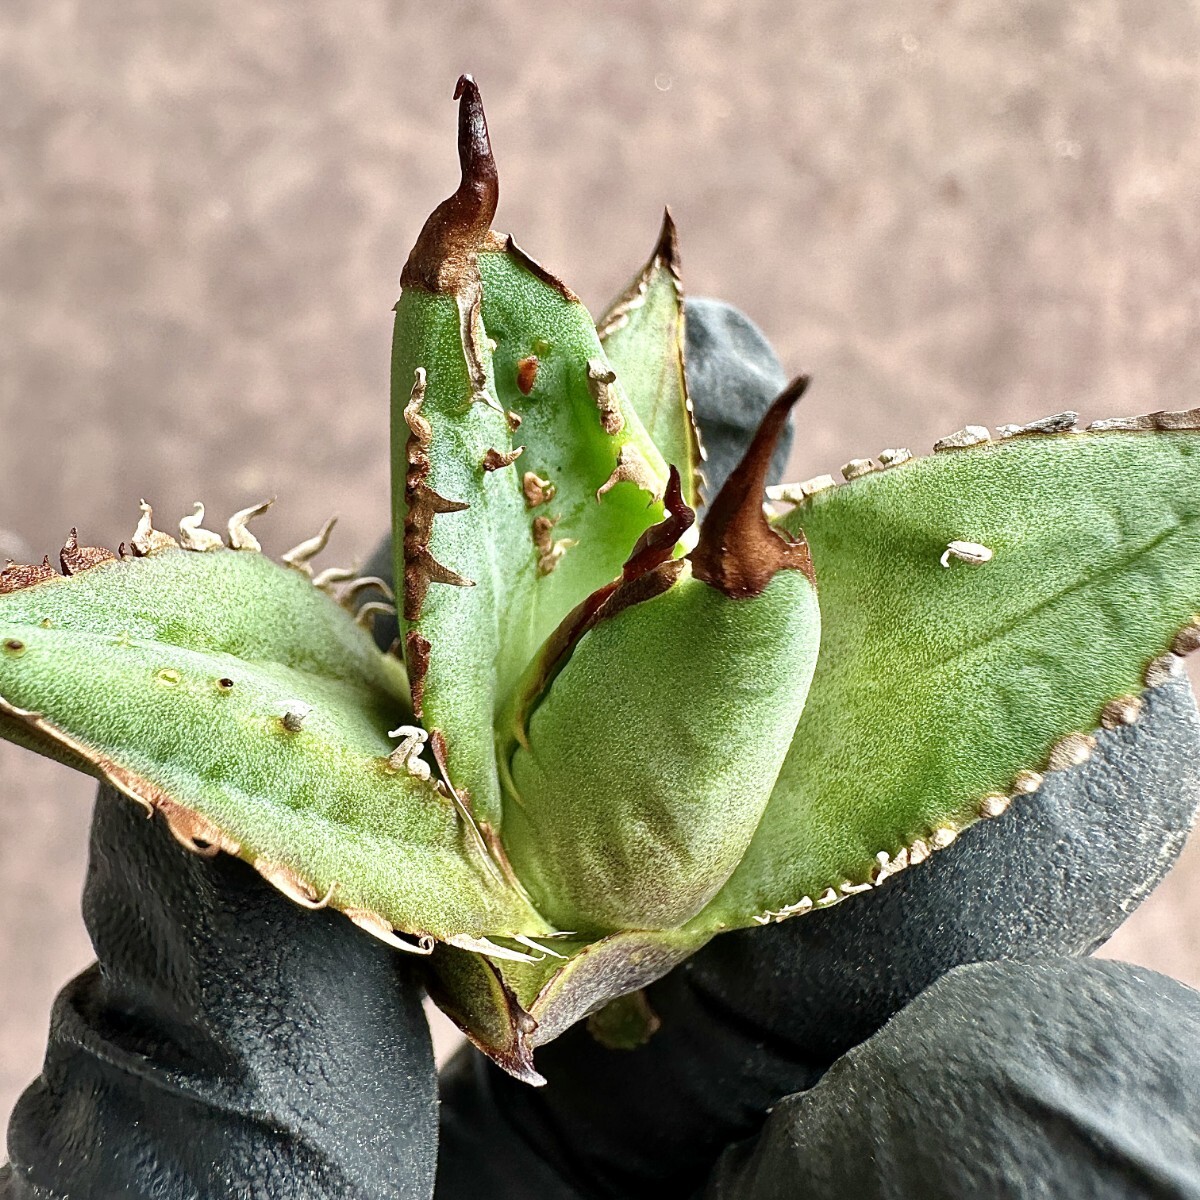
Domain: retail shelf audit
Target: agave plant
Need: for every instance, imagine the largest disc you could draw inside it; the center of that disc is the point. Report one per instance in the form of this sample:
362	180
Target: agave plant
603	736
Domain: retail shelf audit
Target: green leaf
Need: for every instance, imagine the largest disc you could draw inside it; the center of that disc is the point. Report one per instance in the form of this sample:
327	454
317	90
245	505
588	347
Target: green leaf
645	767
643	335
939	688
245	705
507	1008
648	734
522	477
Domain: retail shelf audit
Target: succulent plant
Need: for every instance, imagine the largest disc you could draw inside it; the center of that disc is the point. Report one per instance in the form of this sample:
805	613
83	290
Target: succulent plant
603	737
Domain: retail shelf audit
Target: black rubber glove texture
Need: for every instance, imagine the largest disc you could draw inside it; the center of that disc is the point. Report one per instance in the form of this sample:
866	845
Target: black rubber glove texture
1040	1081
228	1044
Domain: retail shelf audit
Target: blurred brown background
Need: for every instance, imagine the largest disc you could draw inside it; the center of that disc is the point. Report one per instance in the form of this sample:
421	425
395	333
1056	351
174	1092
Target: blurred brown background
951	212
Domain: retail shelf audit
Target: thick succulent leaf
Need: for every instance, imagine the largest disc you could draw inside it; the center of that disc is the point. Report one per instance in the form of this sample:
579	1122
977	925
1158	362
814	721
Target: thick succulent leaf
643	334
942	690
464	545
244	704
522	475
604	478
645	766
470	990
648	734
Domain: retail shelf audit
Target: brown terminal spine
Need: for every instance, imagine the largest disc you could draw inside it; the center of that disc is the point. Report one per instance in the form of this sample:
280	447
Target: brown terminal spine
738	552
443	260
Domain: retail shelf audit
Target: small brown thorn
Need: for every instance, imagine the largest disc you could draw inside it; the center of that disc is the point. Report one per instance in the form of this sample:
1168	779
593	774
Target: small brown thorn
435	572
76	558
1070	751
738	552
440	504
16	576
600	378
443	259
631	467
494	460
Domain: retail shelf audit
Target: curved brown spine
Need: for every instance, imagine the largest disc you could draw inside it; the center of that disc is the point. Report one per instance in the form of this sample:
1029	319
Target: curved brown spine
443	259
738	552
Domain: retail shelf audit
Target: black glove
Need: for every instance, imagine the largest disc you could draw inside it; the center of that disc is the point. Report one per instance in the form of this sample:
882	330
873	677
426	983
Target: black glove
1058	1079
226	1044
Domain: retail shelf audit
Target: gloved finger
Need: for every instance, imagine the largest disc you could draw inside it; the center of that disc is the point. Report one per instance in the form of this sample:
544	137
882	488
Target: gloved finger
1052	1078
227	1044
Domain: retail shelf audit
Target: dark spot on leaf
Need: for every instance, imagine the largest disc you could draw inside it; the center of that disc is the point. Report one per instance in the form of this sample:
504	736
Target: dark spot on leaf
527	370
417	650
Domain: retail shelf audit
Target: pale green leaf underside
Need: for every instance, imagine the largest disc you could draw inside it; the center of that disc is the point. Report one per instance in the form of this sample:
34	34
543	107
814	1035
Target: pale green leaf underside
172	673
481	638
935	686
643	337
564	441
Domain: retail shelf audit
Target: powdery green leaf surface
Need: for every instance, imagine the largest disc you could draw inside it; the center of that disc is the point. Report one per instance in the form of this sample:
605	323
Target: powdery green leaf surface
937	685
170	675
442	429
648	760
533	534
578	433
643	335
